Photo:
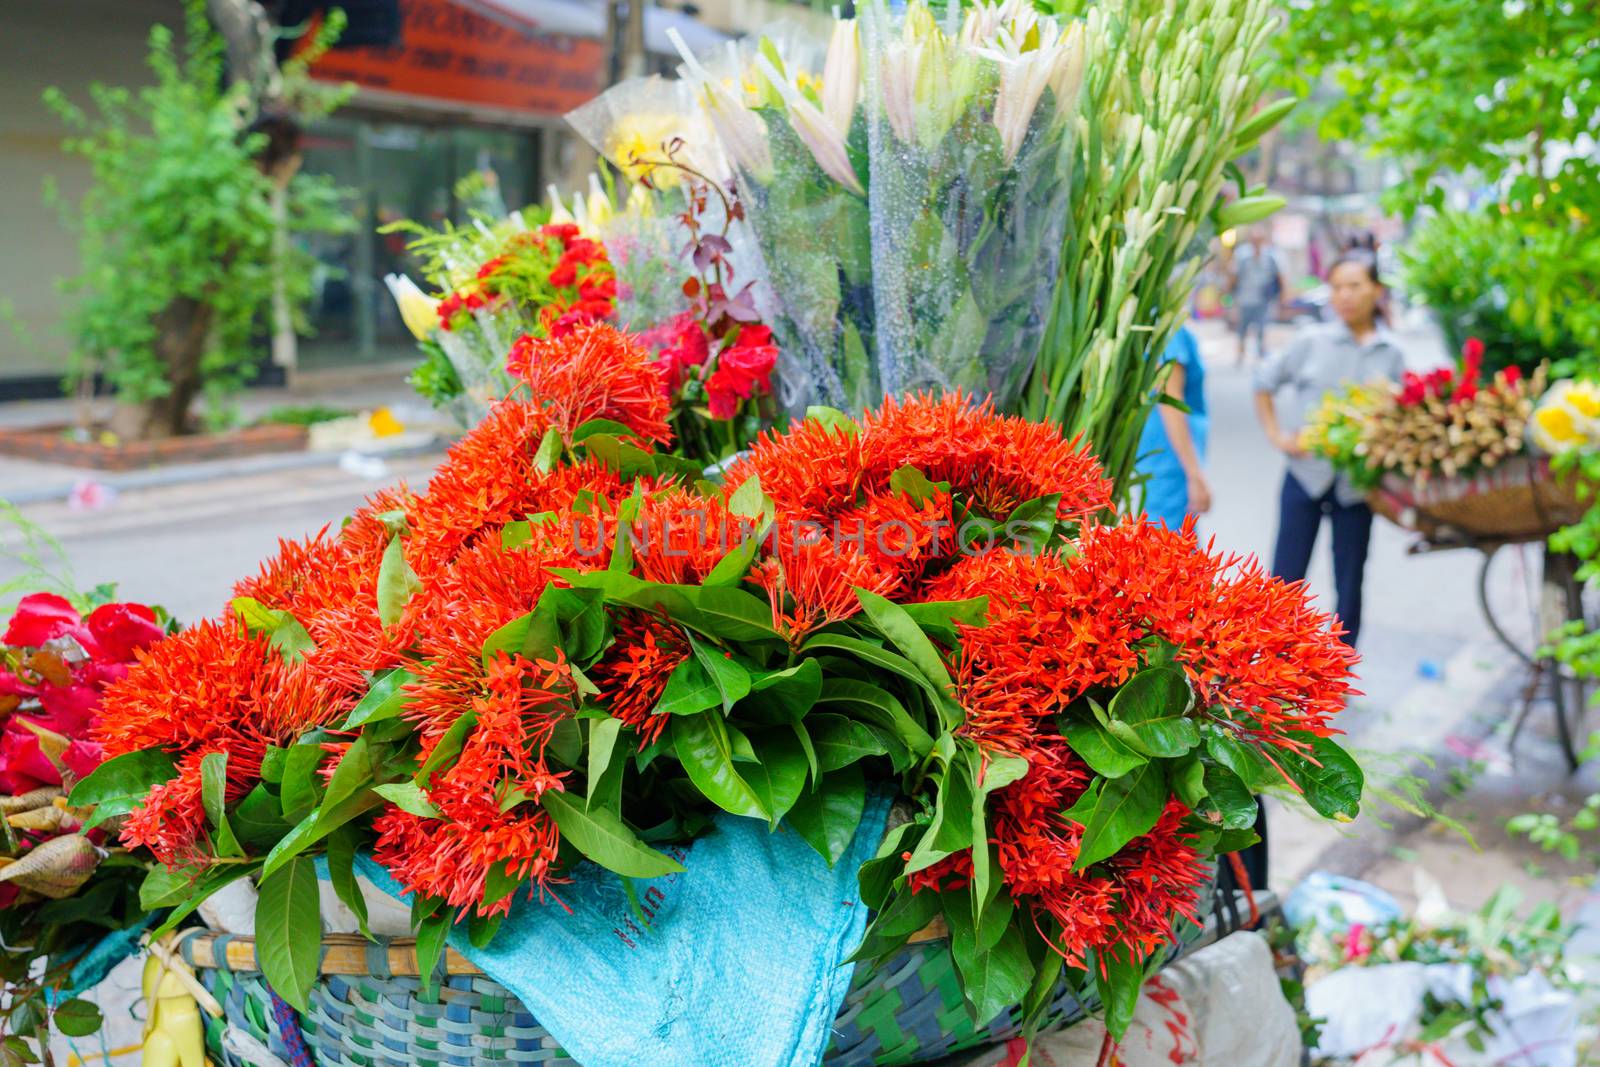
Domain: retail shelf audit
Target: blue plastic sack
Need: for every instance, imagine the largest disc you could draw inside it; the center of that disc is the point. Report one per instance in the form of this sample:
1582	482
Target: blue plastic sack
737	962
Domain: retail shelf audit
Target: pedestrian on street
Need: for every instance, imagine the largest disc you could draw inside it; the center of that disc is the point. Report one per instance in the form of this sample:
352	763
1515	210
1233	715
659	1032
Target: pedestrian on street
1172	448
1322	358
1258	289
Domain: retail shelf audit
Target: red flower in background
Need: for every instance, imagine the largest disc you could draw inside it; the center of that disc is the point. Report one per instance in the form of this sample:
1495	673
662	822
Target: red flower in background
64	664
744	370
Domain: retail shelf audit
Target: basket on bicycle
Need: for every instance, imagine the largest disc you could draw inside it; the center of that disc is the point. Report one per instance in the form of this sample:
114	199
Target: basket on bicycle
1520	500
368	1006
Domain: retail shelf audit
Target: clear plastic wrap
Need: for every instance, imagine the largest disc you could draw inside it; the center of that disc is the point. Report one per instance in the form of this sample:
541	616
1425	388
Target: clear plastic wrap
968	199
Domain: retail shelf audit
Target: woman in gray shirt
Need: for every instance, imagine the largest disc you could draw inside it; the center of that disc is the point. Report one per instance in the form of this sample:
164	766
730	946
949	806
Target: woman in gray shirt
1356	348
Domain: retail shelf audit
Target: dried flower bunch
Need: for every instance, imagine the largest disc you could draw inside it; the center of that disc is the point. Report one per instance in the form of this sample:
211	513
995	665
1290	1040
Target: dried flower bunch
571	645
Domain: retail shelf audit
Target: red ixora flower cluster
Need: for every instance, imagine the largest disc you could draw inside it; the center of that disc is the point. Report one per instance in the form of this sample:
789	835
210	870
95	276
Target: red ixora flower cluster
56	665
1455	385
219	688
1264	665
562	278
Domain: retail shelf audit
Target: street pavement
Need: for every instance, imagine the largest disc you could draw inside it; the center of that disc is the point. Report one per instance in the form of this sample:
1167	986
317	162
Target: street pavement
1436	683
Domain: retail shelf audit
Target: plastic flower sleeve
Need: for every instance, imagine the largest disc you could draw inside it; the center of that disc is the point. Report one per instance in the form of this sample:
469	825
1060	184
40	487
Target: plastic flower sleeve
967	202
799	175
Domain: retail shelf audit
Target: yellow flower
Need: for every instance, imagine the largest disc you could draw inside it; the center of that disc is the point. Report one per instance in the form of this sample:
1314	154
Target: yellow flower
417	310
638	143
1568	416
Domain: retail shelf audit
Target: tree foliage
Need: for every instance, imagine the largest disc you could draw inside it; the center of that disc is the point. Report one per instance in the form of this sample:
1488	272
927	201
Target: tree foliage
177	229
1470	87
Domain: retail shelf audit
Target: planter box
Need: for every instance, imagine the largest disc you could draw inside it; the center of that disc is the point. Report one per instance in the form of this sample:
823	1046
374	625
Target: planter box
53	444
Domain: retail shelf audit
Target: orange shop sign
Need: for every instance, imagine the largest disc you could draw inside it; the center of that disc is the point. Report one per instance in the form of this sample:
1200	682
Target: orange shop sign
450	54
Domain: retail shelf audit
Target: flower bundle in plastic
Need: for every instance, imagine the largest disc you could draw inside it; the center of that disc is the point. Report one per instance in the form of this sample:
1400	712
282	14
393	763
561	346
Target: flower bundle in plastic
570	648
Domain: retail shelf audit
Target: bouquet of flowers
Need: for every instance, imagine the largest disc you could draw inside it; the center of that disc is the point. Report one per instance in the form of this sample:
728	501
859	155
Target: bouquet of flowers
568	647
1566	418
1452	421
499	282
61	887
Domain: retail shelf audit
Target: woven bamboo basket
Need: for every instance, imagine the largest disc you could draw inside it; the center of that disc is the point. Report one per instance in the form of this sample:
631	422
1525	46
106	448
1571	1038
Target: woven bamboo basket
1520	500
368	1007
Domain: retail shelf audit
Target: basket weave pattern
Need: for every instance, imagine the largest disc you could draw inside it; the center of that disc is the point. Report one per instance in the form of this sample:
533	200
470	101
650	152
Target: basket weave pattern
1522	500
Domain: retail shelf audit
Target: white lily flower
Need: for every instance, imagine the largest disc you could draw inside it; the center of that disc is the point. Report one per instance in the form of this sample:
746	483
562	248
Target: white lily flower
826	143
741	131
901	65
1023	78
841	75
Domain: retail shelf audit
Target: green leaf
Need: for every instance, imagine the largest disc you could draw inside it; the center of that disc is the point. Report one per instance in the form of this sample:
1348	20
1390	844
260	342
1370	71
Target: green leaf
549	451
299	791
833	420
604	790
1098	747
732	680
749	501
731	568
943	615
994	980
431	932
603	837
120	784
354	772
891	620
951	828
721	612
408	796
1229	798
1331	780
827	817
591	427
1118	982
1150	713
289	931
704	748
779	773
1032	522
214	798
1188	779
383	701
256	616
76	1018
840	742
448	748
258	819
784	696
397	583
163	887
341	872
1124	808
914	484
1242	760
689	690
880	707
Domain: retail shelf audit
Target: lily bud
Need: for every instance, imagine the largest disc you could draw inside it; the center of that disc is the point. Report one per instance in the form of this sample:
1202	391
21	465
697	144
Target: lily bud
417	310
841	76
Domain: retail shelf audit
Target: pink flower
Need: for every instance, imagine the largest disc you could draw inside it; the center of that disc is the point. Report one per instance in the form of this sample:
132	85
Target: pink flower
82	757
40	618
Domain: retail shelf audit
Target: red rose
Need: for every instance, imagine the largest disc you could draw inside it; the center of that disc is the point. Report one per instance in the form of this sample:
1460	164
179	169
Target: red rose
120	630
563	231
1472	351
743	369
23	765
565	275
39	618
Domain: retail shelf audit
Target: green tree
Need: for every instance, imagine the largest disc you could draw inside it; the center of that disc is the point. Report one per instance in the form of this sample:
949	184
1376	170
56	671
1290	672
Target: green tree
191	177
1499	89
1503	94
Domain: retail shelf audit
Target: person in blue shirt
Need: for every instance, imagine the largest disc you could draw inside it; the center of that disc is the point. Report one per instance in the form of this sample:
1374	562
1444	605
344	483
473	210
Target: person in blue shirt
1173	447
